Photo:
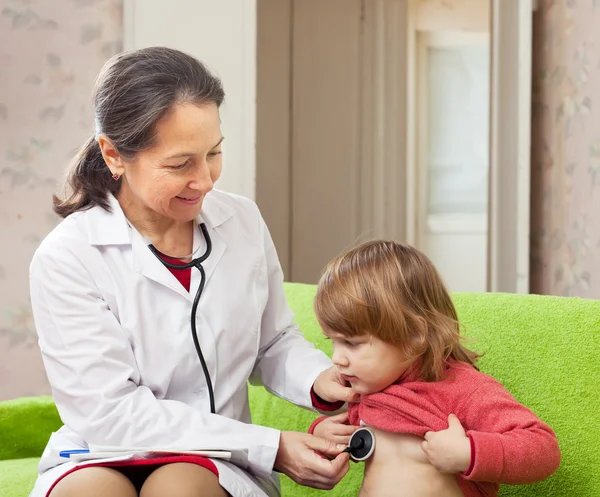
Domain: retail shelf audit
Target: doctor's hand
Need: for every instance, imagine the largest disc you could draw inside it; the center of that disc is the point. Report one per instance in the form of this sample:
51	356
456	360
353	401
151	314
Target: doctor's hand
448	450
335	429
331	387
298	457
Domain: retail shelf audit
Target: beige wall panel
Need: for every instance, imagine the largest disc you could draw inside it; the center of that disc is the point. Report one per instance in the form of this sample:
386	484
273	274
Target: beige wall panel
325	143
273	121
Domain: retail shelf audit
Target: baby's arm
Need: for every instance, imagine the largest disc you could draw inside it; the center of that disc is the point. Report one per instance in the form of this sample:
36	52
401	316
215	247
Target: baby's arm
335	428
338	428
509	443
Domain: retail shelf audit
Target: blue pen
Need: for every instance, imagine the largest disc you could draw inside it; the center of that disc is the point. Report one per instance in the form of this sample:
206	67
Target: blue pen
67	453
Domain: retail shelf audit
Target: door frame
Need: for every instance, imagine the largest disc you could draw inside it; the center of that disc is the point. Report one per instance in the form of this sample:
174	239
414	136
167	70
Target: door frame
510	144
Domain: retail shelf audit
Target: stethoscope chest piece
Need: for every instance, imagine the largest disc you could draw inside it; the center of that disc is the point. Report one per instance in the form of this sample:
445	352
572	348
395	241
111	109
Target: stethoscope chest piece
361	444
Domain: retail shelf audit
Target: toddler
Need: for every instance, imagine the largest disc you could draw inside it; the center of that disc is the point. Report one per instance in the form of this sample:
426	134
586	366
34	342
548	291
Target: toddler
442	428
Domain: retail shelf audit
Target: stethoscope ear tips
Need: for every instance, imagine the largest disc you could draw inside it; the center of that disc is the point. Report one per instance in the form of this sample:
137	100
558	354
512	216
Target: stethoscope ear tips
361	444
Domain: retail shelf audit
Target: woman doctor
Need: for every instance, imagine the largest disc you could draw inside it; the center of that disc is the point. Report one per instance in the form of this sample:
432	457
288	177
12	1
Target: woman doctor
114	318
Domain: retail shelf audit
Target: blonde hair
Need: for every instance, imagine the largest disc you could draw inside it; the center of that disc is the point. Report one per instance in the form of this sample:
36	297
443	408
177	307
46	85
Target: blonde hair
394	292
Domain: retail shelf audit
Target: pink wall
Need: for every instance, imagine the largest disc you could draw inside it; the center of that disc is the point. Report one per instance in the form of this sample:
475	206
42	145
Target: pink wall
50	53
565	253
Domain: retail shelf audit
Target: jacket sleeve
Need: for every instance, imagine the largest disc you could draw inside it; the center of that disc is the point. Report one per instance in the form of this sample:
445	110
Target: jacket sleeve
510	444
287	363
313	425
95	380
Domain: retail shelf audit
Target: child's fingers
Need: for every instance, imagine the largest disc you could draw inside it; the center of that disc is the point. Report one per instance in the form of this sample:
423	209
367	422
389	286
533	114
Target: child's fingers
425	447
340	418
345	430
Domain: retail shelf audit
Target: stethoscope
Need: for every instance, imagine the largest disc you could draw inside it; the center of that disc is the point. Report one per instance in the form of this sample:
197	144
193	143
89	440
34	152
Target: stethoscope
197	263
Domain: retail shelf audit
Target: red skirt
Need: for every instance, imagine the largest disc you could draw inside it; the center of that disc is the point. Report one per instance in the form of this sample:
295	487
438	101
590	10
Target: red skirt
130	468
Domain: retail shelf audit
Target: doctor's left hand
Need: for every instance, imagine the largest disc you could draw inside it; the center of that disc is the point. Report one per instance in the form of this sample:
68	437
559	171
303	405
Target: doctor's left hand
331	387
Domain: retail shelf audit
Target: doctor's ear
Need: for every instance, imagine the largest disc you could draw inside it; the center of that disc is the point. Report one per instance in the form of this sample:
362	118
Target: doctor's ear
111	155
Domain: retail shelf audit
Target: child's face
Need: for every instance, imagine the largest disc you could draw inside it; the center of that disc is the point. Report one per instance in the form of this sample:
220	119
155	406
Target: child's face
367	363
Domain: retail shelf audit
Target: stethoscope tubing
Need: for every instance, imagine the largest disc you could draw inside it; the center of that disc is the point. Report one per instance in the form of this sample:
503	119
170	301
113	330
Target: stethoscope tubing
197	263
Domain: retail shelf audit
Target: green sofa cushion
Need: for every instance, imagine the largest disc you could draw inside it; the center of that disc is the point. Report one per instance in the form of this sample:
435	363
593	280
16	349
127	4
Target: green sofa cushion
546	351
17	476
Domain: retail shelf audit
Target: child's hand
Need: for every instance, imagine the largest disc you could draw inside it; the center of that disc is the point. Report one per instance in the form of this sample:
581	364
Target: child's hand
332	387
335	428
448	450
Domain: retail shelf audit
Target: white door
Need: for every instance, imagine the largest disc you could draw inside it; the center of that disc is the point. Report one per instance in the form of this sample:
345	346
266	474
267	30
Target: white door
453	117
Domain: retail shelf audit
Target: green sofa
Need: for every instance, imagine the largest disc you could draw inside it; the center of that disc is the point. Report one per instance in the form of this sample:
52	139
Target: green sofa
546	351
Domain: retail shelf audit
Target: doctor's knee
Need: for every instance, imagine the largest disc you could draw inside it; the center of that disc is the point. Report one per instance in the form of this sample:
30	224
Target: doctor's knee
94	482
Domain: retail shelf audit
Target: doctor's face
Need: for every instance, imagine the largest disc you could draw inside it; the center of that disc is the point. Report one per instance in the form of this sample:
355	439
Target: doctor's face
172	178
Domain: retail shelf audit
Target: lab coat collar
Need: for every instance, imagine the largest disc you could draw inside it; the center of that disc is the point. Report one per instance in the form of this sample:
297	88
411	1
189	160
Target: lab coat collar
111	228
214	211
108	228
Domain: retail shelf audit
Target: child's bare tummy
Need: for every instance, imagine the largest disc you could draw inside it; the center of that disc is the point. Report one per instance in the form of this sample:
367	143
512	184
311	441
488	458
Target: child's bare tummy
399	468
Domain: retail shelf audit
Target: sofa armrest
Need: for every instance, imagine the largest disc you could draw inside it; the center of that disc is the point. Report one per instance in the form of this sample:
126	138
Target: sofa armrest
25	426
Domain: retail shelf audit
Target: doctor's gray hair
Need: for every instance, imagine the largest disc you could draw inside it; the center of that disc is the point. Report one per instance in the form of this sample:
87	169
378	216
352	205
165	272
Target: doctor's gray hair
133	91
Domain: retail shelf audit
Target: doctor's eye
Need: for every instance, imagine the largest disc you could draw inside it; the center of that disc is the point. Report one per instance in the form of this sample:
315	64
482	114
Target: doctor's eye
179	166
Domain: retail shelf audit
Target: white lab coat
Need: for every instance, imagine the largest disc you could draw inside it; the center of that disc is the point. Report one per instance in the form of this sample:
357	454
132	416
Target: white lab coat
114	332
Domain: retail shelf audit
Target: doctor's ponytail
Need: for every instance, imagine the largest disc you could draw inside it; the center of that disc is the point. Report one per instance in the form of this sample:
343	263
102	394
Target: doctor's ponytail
134	90
87	183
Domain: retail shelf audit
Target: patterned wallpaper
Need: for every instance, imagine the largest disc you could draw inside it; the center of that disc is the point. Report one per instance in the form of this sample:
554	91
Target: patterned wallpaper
565	181
50	54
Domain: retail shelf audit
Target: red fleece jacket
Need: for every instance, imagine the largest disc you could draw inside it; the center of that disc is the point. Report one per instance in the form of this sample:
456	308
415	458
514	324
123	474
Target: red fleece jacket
509	443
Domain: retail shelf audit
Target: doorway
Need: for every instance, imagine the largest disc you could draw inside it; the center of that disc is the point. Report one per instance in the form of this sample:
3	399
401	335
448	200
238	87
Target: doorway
453	129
